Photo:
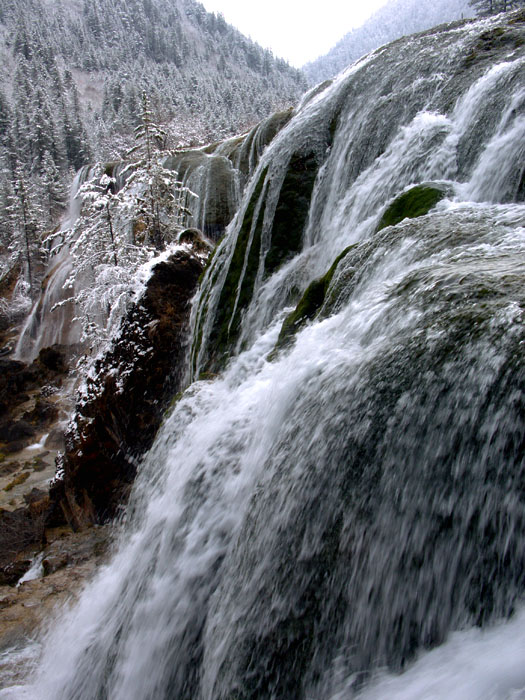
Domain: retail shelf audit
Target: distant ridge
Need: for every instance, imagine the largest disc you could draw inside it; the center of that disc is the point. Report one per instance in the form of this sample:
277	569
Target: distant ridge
397	18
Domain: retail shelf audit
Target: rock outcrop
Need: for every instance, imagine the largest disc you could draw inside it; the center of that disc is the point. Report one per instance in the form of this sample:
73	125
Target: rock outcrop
65	564
125	397
30	404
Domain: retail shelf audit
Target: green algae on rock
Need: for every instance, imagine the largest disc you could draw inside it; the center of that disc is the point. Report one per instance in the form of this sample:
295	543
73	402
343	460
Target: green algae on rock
242	270
292	211
309	305
417	201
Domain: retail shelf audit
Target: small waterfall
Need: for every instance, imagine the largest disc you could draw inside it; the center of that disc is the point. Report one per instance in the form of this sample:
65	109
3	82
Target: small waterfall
75	202
498	176
217	185
217	174
49	324
324	512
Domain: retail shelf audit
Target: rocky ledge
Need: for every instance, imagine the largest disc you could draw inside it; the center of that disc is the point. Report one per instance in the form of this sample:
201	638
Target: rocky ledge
126	394
57	576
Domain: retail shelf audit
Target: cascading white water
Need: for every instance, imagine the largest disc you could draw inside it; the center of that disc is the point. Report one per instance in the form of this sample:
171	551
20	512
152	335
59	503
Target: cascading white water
51	321
395	128
472	665
306	524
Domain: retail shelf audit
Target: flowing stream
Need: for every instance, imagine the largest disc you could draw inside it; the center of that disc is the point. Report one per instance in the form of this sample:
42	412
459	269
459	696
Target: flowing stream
343	517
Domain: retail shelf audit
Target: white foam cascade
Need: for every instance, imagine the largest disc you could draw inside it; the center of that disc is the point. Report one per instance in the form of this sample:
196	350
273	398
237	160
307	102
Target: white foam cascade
473	665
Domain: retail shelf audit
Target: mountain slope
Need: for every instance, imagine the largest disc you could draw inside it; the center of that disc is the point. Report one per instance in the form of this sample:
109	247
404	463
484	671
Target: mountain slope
191	63
396	19
72	75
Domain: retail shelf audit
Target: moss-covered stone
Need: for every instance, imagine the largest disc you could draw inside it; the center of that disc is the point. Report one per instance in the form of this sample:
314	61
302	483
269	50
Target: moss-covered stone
309	305
214	177
242	270
292	211
417	201
491	41
306	310
518	18
203	304
285	241
109	168
249	152
19	479
194	237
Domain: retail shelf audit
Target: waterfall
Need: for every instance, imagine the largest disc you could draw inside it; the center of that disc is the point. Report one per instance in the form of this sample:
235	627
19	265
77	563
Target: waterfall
217	174
338	512
47	323
216	184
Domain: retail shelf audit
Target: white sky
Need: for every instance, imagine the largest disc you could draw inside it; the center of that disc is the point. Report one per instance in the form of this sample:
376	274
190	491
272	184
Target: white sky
297	30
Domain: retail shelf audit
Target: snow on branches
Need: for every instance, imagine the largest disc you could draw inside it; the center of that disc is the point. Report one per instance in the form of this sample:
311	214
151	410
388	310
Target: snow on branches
118	230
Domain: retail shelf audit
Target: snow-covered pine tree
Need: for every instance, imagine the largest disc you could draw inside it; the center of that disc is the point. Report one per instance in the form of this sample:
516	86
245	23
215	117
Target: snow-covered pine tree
26	212
492	7
52	191
93	249
104	257
5	118
161	201
6	200
149	135
91	241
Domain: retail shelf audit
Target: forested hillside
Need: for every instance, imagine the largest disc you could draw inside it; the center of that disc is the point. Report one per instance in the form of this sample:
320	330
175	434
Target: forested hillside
396	19
72	77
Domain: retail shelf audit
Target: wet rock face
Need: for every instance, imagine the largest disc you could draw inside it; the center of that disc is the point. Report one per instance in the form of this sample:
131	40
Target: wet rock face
27	410
67	562
20	529
17	379
417	201
121	409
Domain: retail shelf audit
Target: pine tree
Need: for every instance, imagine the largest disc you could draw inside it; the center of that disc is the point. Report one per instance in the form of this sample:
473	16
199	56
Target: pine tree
75	138
5	118
41	135
91	241
25	243
149	135
159	201
492	7
104	255
52	191
6	200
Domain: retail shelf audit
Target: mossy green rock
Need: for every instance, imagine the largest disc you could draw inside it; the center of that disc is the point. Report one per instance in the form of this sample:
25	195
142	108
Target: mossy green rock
292	211
244	263
218	189
286	237
417	201
257	140
309	305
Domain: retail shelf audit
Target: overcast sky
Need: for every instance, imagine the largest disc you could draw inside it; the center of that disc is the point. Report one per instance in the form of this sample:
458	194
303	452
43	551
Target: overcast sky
297	30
